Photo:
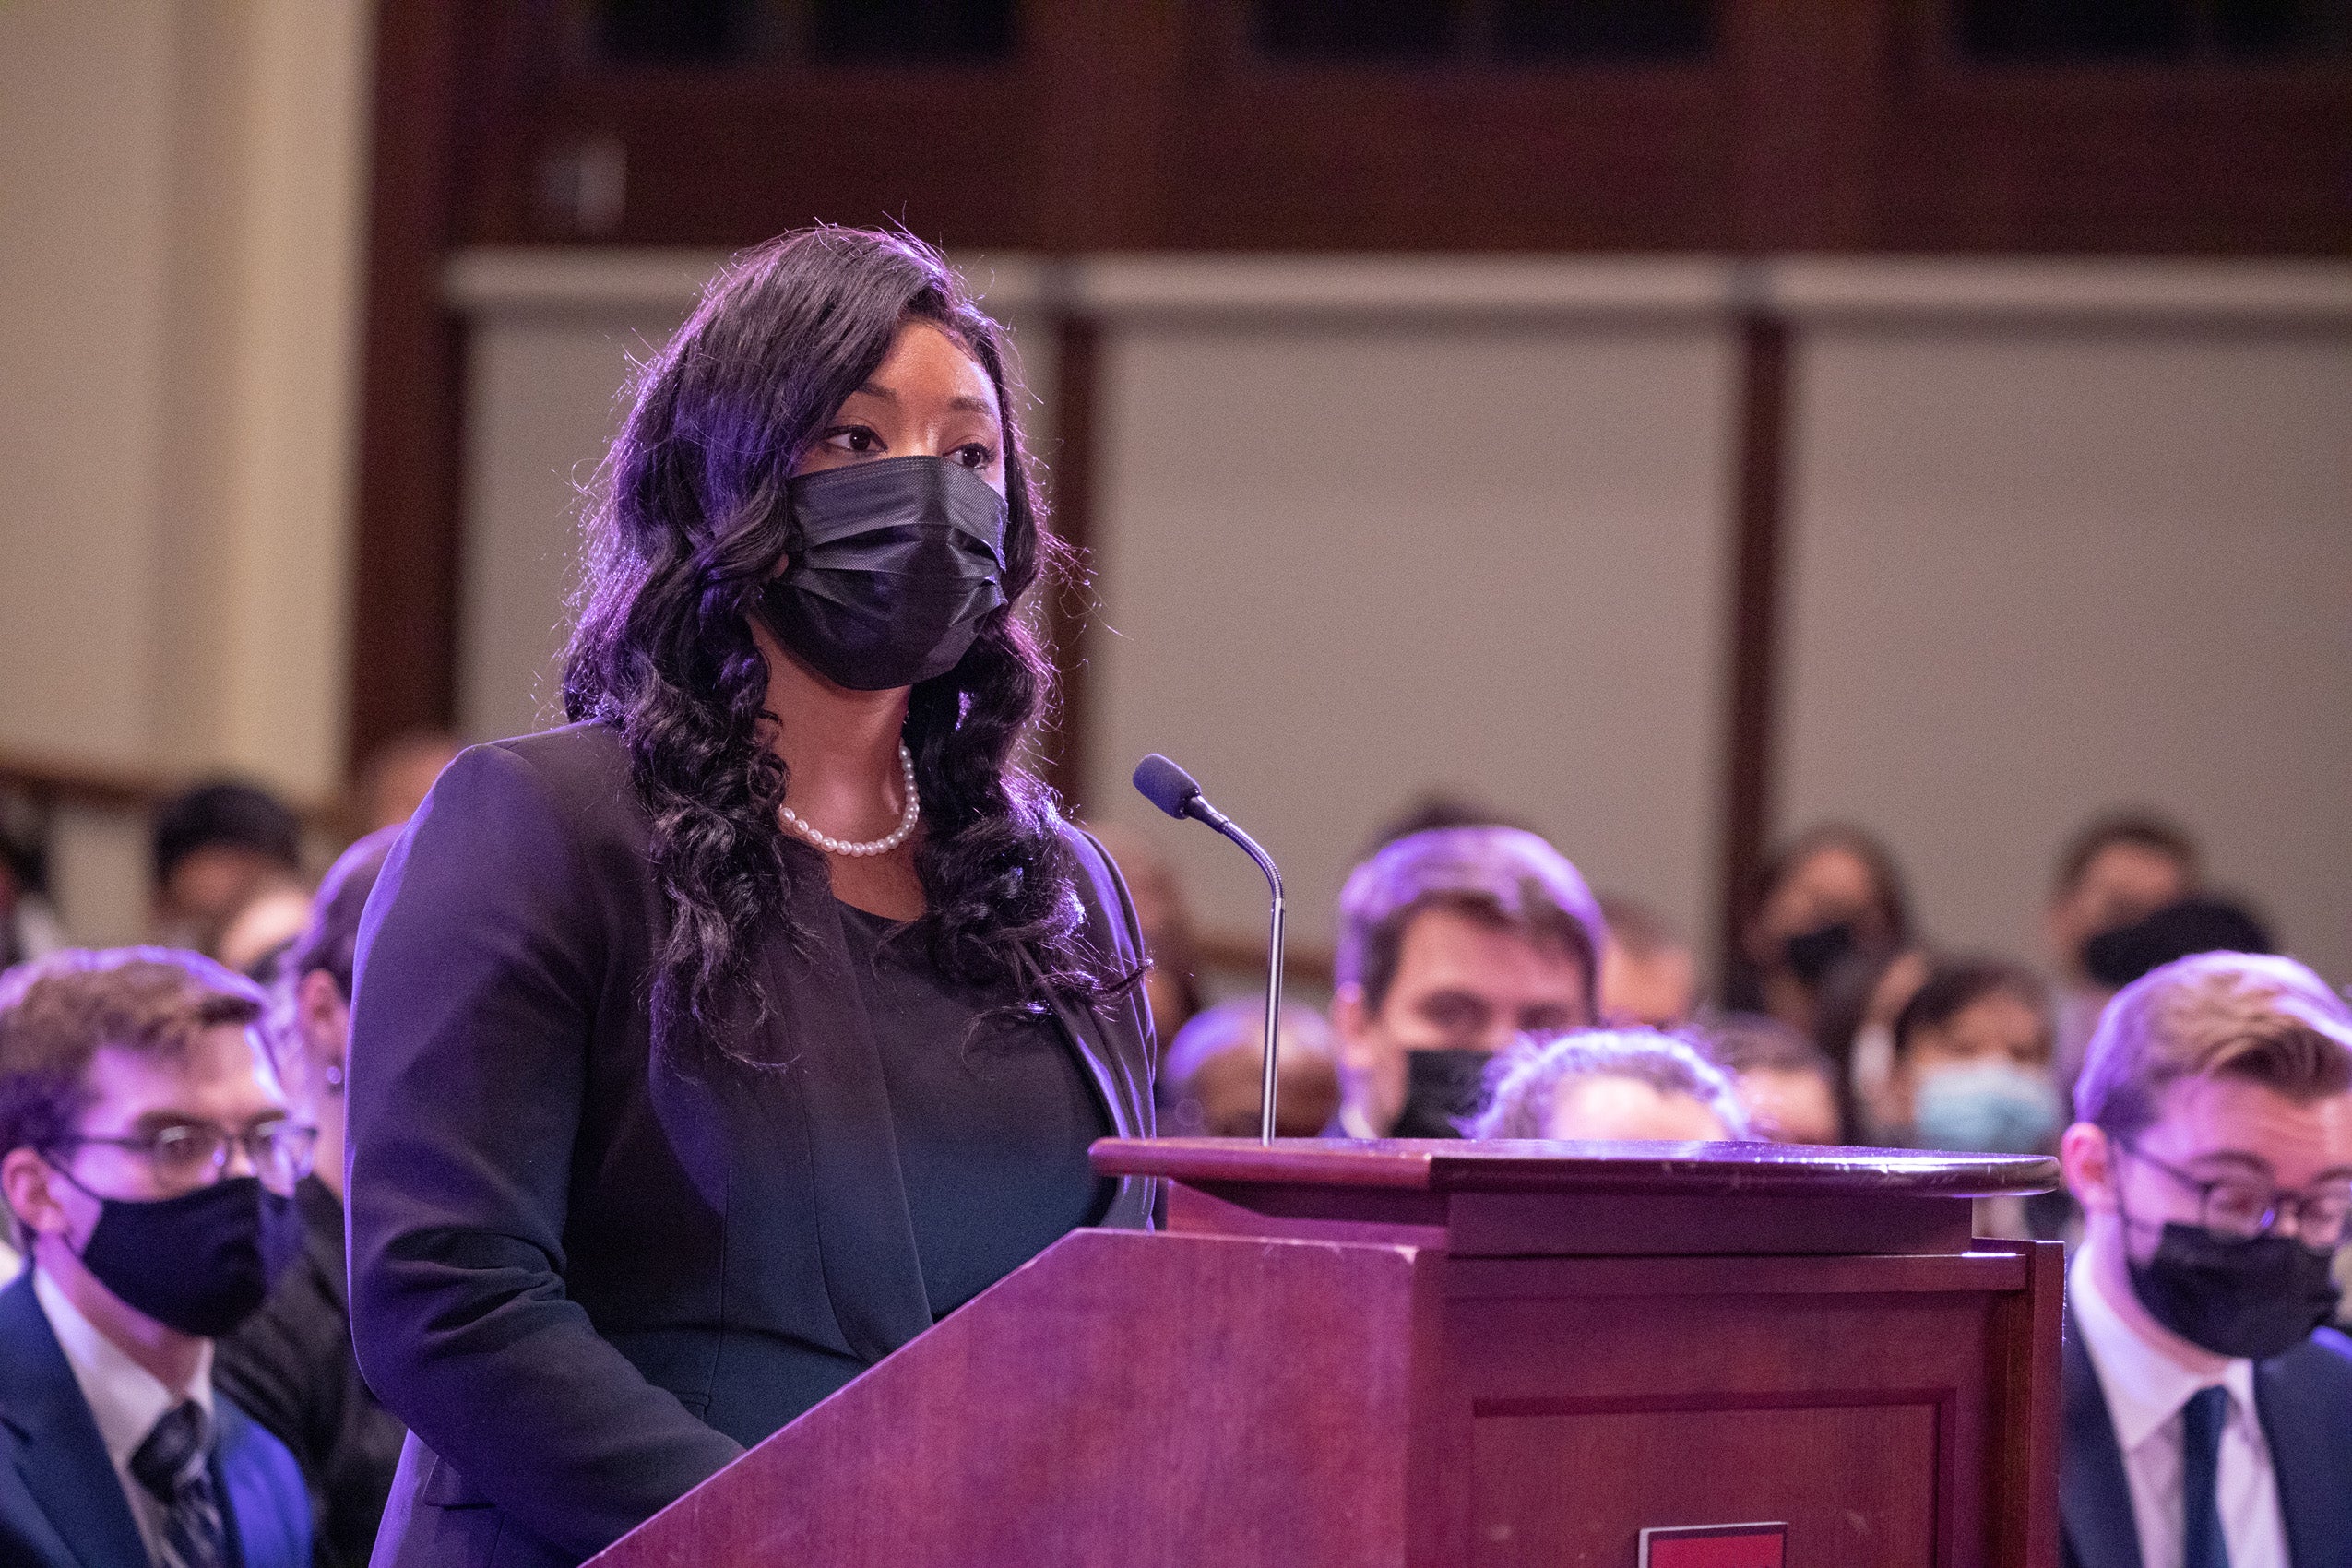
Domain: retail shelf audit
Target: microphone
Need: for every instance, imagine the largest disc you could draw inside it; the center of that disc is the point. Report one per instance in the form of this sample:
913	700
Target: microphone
1171	789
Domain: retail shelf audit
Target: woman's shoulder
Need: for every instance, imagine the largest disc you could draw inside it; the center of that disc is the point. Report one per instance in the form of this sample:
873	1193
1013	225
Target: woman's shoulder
578	774
589	753
1100	886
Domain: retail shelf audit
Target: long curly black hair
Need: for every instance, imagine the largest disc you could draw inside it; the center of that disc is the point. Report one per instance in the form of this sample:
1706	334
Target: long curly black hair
689	521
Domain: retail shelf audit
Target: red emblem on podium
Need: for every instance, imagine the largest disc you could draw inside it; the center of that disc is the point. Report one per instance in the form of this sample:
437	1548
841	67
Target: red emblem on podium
1716	1546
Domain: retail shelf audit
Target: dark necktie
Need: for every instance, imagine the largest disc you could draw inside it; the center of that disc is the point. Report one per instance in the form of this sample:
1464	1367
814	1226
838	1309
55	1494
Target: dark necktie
174	1464
2201	1422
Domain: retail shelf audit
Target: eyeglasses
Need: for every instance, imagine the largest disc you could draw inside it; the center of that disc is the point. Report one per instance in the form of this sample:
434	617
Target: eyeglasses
189	1154
2242	1207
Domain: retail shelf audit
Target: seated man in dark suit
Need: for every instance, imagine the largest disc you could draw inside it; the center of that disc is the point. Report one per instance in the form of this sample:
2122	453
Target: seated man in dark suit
146	1159
2208	1417
290	1365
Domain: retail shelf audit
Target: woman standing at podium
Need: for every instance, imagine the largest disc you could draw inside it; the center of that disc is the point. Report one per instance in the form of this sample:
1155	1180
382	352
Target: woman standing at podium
710	1048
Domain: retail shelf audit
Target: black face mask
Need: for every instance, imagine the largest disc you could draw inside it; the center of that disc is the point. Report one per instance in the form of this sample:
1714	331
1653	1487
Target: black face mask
1440	1087
199	1262
2255	1297
899	561
1810	955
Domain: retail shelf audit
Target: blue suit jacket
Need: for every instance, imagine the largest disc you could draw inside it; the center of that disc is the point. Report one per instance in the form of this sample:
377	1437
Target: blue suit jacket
61	1504
2304	1399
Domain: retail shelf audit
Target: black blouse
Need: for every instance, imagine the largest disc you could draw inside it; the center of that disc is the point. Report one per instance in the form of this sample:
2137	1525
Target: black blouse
992	1113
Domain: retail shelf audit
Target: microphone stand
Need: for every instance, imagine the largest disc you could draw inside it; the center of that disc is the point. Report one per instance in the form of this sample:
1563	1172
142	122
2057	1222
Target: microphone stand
1170	788
1273	967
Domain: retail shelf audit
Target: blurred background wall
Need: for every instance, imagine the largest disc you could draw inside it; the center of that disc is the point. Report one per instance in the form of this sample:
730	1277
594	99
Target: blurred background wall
1669	424
182	258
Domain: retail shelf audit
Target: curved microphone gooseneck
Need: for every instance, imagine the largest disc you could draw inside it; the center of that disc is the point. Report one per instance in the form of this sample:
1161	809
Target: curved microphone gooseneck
1171	789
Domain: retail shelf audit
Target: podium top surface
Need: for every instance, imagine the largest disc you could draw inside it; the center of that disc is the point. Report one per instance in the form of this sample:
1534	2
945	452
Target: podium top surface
1452	1165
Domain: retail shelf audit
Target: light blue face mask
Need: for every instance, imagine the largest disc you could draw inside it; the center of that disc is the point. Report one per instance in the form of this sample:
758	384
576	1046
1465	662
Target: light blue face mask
1986	1107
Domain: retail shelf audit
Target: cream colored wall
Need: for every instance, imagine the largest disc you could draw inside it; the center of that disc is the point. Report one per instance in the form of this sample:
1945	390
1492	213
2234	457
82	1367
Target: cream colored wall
182	200
184	190
1343	565
2042	567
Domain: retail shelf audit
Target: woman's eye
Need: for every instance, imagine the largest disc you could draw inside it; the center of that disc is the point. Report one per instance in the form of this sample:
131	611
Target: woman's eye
855	438
972	455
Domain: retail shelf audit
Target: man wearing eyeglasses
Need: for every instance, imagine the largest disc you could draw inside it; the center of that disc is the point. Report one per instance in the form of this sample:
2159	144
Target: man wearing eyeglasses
148	1163
2207	1415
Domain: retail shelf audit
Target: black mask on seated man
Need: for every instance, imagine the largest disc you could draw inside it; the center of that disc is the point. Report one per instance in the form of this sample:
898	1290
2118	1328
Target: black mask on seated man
899	563
201	1262
2254	1296
1443	1088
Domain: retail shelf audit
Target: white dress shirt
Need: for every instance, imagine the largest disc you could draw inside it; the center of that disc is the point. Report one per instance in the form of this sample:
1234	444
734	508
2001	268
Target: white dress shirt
2145	1390
125	1399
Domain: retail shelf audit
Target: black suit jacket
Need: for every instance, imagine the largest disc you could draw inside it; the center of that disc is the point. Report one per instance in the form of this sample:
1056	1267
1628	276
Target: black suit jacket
61	1501
2304	1399
290	1366
586	1281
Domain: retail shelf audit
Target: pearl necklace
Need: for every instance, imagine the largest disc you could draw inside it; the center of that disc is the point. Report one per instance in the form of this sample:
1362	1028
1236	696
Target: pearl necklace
898	836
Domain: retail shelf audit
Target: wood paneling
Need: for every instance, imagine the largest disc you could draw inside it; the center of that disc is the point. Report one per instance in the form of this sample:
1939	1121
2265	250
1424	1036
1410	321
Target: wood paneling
1759	486
1245	1396
404	596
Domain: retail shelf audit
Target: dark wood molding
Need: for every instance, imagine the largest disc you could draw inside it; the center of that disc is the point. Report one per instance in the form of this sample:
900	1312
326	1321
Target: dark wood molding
1752	714
405	556
1809	84
1070	604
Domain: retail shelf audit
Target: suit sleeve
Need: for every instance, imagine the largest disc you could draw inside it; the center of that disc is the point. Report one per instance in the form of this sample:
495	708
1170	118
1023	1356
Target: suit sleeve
483	952
1121	907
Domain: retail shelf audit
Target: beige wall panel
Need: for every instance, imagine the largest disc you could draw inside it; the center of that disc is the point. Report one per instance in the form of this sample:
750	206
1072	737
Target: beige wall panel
1343	565
2035	575
544	389
85	126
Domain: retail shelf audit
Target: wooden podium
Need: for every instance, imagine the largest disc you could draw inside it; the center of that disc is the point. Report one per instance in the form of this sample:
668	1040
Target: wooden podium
1453	1353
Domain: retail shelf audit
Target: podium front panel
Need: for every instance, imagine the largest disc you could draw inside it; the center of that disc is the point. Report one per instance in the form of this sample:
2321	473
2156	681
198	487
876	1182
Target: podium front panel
1372	1355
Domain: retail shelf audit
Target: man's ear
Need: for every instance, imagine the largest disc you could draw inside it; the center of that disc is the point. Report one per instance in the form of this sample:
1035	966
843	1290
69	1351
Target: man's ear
2088	1158
1351	1024
324	1016
24	1181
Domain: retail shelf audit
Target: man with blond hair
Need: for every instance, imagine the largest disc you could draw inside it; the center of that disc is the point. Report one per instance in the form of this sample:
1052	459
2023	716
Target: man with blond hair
2207	1415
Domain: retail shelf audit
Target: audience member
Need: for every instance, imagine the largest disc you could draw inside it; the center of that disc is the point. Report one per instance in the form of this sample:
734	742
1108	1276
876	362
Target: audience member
1215	1076
394	779
1451	943
215	847
147	1157
2201	924
1972	1074
1172	984
1971	1059
28	925
290	1365
1608	1086
254	937
1859	1003
1647	975
1786	1082
1437	809
2207	1418
1830	894
2115	869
